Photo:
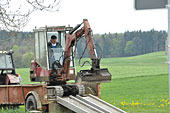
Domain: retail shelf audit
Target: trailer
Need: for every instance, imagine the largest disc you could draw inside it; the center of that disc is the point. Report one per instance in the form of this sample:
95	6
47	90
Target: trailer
36	97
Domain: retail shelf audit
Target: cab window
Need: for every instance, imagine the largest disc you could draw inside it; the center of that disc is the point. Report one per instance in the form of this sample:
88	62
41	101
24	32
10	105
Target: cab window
5	61
40	48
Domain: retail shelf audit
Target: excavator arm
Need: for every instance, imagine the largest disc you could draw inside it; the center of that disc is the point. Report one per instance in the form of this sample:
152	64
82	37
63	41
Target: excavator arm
95	74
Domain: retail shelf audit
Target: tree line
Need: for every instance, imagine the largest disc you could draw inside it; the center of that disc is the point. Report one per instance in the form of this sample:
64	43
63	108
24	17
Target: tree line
127	43
22	45
107	45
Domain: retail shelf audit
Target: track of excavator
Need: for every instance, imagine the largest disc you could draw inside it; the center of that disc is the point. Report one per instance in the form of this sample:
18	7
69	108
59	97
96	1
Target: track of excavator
88	104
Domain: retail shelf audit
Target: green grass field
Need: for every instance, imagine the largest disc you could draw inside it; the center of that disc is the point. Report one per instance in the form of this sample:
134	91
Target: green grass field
139	84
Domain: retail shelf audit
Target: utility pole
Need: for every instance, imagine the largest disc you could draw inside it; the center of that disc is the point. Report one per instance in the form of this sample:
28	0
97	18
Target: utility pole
168	6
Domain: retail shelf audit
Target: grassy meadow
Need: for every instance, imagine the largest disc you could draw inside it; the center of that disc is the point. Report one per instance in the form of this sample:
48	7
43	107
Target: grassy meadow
139	84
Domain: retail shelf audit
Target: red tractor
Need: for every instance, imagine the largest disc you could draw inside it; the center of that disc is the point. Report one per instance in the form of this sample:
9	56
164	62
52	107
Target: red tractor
8	75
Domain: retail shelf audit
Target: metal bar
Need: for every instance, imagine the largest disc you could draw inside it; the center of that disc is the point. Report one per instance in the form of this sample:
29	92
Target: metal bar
92	104
87	104
8	95
5	61
46	51
39	47
70	105
23	94
6	68
107	104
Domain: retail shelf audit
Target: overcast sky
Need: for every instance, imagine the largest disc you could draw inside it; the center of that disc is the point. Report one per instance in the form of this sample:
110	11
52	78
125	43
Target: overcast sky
104	16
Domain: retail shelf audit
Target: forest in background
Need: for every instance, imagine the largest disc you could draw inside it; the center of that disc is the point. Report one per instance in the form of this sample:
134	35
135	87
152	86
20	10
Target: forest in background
108	45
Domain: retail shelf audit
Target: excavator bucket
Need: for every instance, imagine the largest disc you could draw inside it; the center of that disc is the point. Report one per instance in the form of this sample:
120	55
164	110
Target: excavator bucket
97	76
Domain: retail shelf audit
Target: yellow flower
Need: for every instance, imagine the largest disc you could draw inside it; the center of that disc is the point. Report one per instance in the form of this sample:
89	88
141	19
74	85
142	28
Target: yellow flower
132	103
166	100
161	104
137	103
123	103
153	104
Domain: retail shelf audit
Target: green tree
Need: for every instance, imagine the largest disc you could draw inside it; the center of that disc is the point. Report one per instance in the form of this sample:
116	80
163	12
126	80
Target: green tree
137	44
27	57
117	47
17	59
129	48
15	48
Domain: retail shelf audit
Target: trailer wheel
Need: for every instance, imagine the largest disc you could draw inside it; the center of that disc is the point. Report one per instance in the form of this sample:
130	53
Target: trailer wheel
31	103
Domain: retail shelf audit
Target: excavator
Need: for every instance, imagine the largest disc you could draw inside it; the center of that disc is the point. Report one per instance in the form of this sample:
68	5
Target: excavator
56	66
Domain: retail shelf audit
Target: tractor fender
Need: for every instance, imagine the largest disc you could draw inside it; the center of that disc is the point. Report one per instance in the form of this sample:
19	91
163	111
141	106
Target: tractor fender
37	98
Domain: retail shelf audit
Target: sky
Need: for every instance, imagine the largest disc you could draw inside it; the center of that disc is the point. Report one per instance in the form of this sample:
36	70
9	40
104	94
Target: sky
104	16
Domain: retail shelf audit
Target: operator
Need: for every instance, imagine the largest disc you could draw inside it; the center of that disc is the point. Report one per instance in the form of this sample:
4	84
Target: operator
53	43
52	46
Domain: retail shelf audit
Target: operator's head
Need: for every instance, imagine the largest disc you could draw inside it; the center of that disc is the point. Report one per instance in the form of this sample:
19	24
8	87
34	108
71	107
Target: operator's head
53	39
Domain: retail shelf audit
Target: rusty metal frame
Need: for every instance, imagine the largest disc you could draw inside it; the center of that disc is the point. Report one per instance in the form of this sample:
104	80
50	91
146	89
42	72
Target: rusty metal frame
17	94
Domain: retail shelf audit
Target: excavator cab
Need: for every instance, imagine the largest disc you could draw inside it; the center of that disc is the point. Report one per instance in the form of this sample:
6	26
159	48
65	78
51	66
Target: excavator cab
48	59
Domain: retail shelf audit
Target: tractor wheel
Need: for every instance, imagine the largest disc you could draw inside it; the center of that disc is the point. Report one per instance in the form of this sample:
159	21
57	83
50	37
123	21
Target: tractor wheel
30	103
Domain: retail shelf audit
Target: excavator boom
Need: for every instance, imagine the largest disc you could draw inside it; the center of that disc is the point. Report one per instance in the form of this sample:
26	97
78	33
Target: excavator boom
95	74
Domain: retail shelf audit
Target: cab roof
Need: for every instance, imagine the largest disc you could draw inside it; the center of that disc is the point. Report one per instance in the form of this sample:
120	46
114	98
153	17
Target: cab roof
6	52
53	28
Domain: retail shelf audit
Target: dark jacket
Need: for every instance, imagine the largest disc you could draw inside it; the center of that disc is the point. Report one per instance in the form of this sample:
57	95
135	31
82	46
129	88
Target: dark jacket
57	45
